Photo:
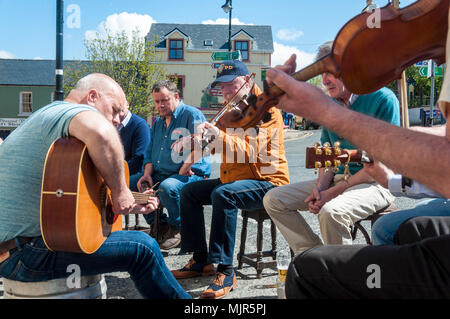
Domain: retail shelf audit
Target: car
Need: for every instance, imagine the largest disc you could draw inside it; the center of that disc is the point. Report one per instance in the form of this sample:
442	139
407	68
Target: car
304	123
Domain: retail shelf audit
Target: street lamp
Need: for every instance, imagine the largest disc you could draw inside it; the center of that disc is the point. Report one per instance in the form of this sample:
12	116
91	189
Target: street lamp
59	93
227	8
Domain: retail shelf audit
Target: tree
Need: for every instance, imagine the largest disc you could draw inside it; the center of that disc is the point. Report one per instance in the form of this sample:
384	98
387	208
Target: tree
127	60
422	87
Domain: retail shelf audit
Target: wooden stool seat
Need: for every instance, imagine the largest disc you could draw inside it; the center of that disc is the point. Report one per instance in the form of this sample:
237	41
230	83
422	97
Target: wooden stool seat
255	259
372	218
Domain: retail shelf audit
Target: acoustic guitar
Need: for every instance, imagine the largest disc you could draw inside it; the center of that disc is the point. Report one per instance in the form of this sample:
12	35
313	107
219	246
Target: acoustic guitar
76	211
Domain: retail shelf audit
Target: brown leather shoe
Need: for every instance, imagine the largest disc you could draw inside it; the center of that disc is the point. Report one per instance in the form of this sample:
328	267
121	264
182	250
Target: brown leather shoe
193	269
171	239
220	286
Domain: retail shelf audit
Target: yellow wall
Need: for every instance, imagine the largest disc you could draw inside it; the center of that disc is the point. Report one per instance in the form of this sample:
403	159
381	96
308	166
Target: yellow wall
198	72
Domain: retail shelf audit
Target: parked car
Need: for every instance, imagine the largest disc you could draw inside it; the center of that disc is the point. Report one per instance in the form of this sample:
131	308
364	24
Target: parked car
304	123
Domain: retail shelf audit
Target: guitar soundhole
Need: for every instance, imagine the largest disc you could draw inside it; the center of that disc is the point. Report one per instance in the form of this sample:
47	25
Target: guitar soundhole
106	200
110	216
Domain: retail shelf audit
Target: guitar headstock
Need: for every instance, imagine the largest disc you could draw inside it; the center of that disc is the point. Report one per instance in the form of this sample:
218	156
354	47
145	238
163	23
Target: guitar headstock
332	157
325	156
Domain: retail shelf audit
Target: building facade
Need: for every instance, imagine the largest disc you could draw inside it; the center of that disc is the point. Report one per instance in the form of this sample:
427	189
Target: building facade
186	51
25	86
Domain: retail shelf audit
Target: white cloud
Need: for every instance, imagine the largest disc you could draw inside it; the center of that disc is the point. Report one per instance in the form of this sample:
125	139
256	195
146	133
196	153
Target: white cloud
124	21
37	58
234	21
289	34
283	52
6	55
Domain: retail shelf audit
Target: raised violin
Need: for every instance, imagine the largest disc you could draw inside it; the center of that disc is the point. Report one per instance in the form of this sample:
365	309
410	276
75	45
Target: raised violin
366	59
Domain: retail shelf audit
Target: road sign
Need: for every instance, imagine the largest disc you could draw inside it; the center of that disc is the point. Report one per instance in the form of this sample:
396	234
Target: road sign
422	64
216	91
263	74
221	56
215	65
423	71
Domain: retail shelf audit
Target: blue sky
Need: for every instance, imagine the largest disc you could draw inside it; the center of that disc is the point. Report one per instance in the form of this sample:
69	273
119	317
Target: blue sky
27	27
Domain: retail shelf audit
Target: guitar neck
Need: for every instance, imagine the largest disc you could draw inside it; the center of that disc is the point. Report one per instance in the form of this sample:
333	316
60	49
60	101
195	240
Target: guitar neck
141	198
312	158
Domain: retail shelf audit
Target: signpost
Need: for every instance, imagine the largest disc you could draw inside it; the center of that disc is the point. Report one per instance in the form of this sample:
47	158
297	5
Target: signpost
438	71
222	56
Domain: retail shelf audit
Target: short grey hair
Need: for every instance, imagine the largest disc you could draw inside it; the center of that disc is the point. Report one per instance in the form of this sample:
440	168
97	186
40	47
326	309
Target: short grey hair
324	49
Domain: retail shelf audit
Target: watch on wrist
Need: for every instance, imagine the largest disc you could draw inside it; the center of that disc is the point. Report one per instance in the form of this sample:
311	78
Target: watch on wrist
406	182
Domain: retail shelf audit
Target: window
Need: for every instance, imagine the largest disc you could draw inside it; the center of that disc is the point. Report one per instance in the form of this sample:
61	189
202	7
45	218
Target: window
175	49
26	103
243	47
180	81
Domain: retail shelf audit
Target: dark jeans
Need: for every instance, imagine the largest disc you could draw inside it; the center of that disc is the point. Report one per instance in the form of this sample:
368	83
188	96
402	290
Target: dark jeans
225	199
417	266
169	195
131	251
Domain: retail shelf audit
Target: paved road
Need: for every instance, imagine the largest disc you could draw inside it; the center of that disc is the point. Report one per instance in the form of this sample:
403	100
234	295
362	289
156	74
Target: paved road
120	285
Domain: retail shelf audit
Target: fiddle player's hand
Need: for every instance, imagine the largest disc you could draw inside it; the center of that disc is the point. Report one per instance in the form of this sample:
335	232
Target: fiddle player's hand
206	129
182	144
379	172
288	67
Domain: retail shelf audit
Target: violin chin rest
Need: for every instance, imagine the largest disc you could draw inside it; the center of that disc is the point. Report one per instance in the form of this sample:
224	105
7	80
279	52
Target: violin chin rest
251	100
267	117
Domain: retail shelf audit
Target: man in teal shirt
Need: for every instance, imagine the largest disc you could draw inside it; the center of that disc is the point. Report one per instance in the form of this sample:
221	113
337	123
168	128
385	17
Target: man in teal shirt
337	203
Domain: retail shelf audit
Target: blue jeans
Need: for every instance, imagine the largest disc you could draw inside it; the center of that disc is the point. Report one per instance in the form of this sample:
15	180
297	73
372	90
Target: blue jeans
131	251
169	195
225	199
385	227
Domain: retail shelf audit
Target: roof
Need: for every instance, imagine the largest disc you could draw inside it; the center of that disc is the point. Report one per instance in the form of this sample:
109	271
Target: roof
218	33
29	72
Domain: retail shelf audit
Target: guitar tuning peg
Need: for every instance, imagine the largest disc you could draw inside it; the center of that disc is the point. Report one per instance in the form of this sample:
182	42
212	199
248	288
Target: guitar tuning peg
327	164
337	163
317	148
317	165
328	150
337	150
326	145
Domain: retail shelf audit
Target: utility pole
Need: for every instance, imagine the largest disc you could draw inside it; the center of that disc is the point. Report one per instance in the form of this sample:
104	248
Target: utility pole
431	66
402	88
59	70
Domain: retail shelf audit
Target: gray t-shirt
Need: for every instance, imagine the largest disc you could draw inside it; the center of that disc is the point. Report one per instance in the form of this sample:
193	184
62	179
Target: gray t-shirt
22	157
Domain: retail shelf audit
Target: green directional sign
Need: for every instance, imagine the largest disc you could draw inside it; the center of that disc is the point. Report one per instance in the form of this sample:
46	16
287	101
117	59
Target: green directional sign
222	56
437	71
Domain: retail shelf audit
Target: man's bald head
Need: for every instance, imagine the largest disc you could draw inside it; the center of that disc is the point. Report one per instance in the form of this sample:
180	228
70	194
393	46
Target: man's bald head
99	82
102	92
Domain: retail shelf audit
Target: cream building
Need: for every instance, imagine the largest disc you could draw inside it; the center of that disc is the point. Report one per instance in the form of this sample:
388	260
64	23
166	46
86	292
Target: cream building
185	51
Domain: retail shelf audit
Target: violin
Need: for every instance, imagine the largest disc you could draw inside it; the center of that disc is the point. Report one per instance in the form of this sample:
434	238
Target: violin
364	58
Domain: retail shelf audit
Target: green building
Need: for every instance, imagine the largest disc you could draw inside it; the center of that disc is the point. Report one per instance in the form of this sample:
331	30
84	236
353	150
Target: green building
25	86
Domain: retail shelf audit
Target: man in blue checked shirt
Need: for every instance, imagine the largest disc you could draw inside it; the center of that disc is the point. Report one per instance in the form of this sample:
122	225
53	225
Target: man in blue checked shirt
162	165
